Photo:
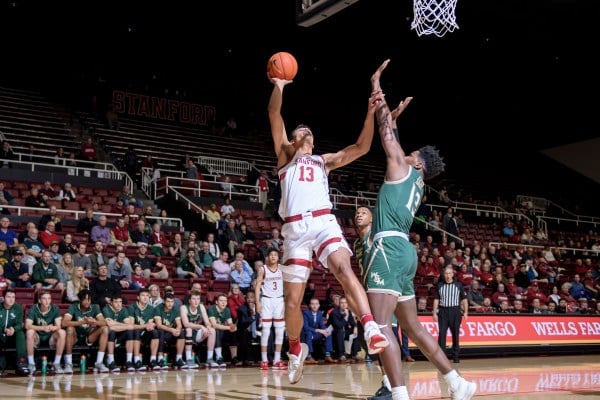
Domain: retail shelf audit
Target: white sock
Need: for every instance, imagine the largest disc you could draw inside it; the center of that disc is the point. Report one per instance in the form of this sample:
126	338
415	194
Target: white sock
68	358
209	355
100	357
30	360
400	393
110	358
452	378
263	356
57	359
218	352
277	357
129	357
386	382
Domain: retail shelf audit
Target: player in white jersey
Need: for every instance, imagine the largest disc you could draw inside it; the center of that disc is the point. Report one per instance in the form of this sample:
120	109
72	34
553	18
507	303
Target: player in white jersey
309	225
269	290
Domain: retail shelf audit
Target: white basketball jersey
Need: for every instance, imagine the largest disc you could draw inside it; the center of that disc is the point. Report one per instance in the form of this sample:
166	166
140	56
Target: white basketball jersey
304	185
272	285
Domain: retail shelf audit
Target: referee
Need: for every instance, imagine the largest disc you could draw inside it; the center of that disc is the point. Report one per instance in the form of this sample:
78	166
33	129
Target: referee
449	305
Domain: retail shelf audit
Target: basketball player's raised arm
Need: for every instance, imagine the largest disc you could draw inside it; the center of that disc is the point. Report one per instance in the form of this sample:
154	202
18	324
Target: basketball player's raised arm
280	141
397	167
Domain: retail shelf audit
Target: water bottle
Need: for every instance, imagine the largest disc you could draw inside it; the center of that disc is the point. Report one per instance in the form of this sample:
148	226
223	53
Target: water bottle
82	364
165	360
44	365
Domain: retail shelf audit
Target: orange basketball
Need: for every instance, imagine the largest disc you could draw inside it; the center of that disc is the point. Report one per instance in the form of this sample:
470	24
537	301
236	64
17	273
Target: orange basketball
282	65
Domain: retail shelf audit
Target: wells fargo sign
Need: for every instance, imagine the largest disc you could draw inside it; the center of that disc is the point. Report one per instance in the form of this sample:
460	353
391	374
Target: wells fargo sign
502	329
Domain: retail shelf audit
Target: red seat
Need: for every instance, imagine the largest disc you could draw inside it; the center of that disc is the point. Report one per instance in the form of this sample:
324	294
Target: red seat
25	296
220	286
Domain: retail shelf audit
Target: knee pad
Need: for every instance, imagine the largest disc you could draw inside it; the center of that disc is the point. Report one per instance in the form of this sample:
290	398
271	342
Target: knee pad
279	331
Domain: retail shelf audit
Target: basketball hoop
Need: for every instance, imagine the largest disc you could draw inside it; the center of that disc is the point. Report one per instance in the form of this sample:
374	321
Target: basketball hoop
434	17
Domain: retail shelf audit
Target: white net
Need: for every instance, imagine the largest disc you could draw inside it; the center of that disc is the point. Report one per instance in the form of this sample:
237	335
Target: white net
434	17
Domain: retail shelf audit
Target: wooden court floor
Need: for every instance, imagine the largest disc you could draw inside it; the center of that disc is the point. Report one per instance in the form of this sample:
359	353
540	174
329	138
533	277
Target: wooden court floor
549	377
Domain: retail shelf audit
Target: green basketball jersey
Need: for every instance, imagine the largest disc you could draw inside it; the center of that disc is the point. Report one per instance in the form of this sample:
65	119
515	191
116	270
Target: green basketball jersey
397	203
118	316
194	317
141	316
77	314
40	318
167	318
220	316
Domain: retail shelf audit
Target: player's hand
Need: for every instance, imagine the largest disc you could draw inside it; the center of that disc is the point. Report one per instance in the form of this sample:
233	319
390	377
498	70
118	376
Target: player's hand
375	77
280	83
375	101
401	107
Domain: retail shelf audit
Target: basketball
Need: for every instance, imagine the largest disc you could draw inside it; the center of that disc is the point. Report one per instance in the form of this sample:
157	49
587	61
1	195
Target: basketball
282	65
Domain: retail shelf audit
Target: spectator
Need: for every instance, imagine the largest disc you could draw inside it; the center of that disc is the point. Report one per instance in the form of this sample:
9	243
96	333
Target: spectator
77	283
345	331
314	331
112	118
45	274
119	270
119	234
17	272
176	246
151	268
103	288
60	158
67	194
5	199
159	240
6	154
227	208
100	232
128	198
189	267
221	268
241	276
86	223
138	280
49	235
35	199
141	235
272	241
262	187
8	235
51	216
88	150
130	163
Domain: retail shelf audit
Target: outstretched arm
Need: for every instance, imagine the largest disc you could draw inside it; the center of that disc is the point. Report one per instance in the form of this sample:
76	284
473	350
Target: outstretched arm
363	144
397	167
282	145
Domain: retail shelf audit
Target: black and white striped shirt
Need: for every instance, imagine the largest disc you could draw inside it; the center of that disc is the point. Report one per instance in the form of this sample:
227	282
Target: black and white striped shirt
450	294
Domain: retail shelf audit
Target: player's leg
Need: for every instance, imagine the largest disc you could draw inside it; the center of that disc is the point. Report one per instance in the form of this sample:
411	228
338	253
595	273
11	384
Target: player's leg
32	340
383	305
335	253
100	335
409	323
57	341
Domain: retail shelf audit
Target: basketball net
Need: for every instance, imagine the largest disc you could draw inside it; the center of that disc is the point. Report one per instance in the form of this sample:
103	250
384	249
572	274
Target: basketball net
434	17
